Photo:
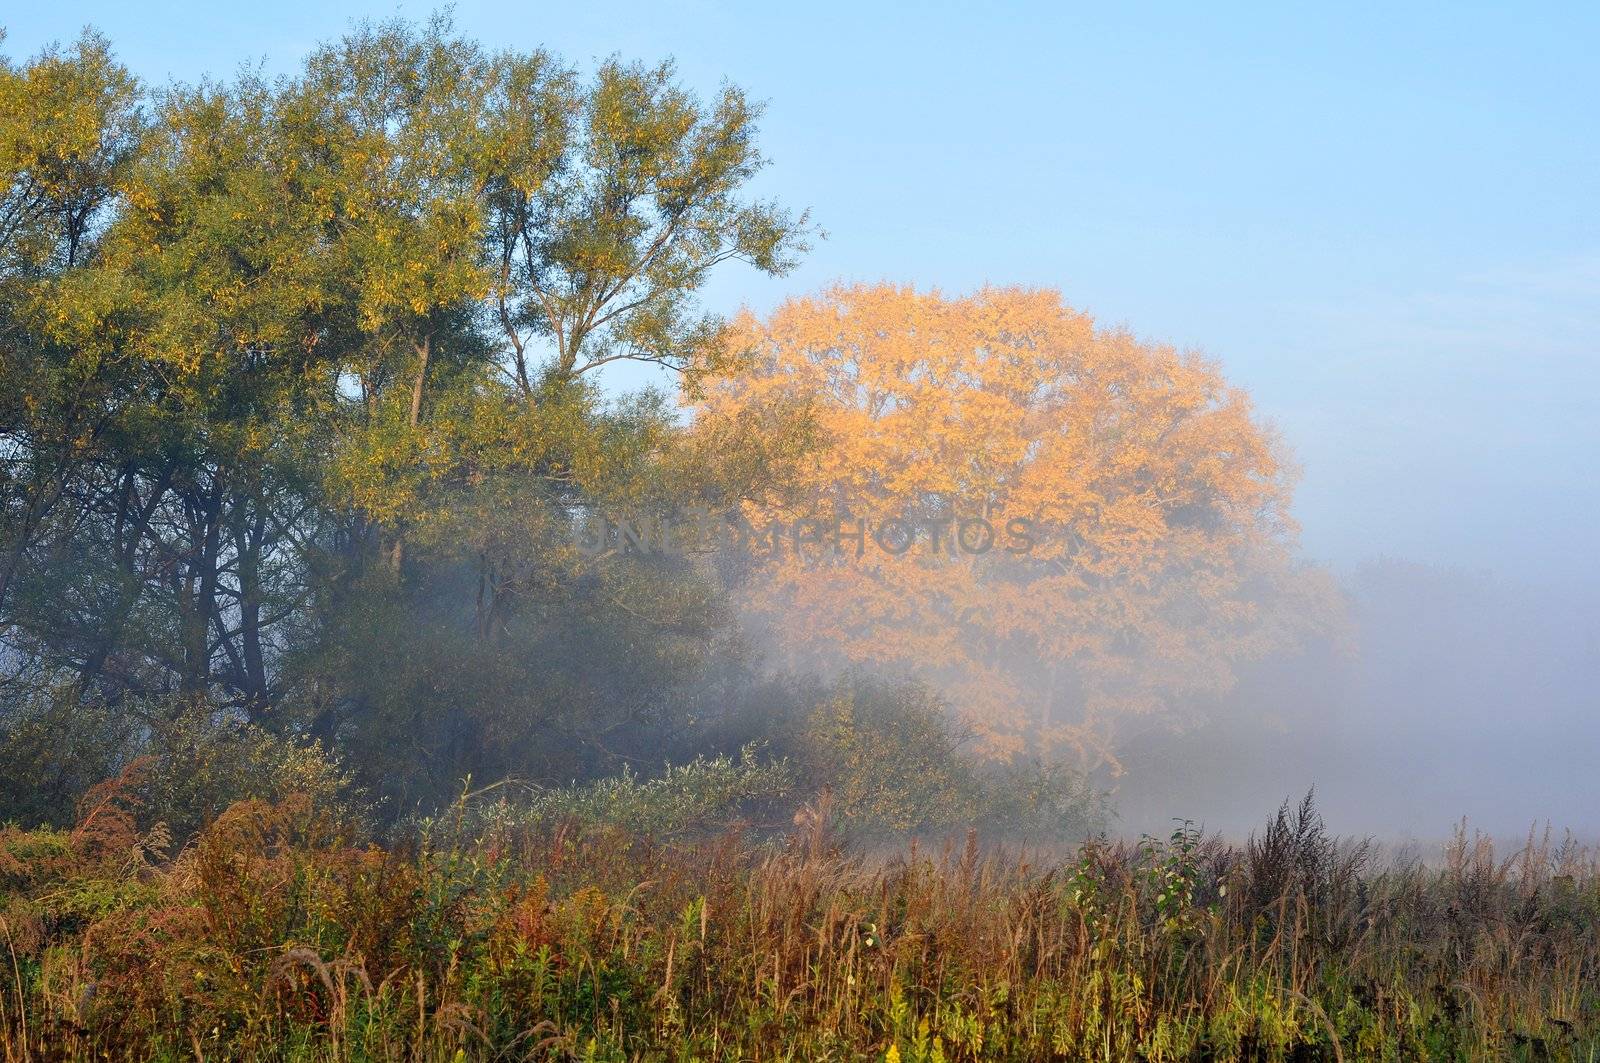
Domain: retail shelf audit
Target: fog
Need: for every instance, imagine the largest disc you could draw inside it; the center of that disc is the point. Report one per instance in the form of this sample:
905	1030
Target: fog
1462	694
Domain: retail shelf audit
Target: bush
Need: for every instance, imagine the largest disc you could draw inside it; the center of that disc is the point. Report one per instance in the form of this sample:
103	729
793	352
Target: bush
888	757
892	762
55	748
202	760
1041	800
193	759
706	792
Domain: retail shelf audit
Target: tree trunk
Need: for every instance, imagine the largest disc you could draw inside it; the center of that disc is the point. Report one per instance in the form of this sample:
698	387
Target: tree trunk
397	553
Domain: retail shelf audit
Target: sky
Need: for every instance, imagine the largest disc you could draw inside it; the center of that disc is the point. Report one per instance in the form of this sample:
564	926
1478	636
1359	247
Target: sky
1382	223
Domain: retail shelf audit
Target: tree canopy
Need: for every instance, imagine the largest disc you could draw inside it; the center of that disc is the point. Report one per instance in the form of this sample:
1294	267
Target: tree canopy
1063	527
298	402
301	428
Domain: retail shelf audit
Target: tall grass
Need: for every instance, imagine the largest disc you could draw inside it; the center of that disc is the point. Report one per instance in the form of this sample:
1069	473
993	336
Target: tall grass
276	936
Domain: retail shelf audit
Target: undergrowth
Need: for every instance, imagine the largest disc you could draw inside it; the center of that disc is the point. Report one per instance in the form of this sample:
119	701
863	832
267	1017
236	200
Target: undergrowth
277	934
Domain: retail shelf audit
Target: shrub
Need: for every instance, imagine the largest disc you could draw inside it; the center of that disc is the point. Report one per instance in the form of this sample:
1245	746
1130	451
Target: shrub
893	762
202	760
54	748
889	758
705	792
194	760
1041	800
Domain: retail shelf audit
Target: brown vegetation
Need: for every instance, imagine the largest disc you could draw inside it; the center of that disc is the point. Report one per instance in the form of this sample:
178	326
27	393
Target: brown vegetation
276	935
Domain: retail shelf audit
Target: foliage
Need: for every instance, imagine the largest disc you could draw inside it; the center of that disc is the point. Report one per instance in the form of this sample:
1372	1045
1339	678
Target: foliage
200	761
892	763
296	404
182	761
1136	510
880	756
55	748
704	793
275	938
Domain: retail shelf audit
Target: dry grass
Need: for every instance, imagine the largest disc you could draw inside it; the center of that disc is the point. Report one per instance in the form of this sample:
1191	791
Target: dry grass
273	936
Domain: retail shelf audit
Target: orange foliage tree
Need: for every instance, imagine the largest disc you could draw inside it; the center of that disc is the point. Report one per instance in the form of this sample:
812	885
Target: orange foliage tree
1061	527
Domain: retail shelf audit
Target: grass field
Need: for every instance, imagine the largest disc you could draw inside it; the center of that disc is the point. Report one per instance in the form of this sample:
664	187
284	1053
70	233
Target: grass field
273	935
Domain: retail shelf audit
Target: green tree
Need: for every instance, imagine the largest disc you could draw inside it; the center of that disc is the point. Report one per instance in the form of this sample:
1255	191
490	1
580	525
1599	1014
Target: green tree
298	415
69	126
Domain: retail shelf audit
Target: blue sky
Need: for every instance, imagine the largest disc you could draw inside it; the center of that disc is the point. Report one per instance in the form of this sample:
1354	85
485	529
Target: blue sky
1385	224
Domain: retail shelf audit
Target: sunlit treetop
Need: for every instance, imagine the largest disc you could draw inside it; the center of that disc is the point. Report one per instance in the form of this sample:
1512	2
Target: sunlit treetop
1156	503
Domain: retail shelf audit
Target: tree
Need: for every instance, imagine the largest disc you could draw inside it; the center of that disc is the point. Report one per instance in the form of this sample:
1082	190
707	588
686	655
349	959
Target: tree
597	210
69	126
208	310
298	391
1063	527
608	215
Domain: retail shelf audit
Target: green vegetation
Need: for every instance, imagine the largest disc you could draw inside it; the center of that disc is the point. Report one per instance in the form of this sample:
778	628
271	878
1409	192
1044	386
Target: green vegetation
551	934
321	738
298	417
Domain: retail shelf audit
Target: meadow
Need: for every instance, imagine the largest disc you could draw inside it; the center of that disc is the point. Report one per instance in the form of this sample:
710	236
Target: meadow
485	934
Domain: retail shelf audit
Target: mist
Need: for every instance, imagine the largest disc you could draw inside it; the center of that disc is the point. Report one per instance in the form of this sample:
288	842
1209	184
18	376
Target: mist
1460	694
690	532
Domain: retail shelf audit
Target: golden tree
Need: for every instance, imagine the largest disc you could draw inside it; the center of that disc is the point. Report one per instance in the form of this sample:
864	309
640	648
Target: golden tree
1061	526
